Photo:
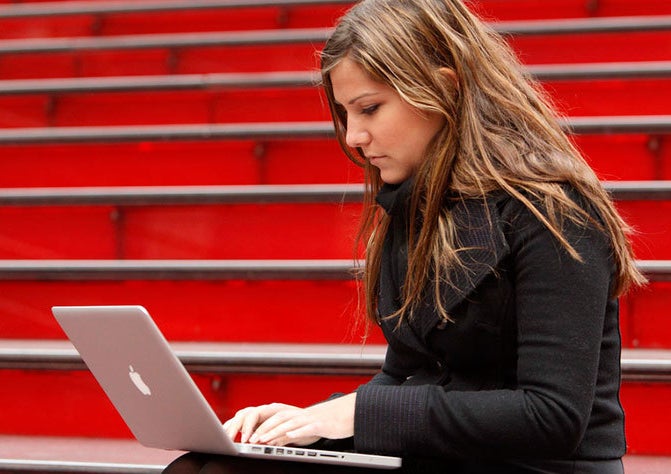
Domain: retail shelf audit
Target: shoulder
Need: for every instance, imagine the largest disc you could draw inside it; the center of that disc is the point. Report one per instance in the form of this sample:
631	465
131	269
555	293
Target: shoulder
573	211
542	223
502	221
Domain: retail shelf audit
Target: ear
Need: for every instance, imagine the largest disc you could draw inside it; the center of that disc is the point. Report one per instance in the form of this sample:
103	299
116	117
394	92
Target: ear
449	75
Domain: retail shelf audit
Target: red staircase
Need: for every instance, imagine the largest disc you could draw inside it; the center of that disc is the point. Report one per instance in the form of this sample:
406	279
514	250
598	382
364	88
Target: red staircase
147	148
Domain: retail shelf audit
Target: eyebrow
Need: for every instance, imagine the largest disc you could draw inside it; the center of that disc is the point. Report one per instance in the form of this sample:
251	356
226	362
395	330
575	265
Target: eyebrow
365	94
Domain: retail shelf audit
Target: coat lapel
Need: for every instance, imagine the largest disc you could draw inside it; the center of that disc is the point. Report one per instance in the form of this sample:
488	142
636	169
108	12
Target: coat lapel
482	246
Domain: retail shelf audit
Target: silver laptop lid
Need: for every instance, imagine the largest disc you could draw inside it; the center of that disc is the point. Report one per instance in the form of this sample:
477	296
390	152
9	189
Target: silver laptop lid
133	363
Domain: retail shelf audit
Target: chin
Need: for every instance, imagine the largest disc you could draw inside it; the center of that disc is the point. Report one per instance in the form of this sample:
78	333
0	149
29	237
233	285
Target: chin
393	179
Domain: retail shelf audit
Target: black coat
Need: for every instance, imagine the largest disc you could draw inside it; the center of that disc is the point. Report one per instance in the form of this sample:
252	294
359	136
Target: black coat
529	370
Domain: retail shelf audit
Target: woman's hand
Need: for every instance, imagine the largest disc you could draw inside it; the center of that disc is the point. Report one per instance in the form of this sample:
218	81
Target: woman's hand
278	424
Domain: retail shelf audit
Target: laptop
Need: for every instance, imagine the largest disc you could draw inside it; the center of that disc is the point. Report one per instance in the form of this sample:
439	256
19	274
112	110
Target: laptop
155	395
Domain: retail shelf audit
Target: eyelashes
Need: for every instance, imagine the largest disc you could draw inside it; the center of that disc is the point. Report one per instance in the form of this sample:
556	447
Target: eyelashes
370	110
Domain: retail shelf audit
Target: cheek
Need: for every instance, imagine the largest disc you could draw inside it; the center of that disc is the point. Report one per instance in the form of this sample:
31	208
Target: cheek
432	127
419	136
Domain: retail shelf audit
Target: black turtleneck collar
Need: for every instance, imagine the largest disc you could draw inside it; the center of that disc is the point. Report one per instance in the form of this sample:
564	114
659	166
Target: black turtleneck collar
393	198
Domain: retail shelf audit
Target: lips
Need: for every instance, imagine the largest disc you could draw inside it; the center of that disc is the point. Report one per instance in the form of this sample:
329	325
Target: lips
373	158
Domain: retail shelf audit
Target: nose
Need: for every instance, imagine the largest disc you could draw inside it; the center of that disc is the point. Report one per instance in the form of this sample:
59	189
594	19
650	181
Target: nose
356	136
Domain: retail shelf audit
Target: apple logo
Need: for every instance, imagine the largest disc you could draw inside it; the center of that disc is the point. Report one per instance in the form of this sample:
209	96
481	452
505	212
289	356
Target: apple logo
136	378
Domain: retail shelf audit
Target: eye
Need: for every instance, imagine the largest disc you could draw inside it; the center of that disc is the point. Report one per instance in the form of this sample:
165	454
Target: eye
370	110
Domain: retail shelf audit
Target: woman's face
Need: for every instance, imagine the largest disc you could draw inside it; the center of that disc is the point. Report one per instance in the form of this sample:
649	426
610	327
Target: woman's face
392	134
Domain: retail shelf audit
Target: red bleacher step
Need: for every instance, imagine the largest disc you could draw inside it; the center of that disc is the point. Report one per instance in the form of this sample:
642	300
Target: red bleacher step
626	157
237	231
575	98
231	231
260	310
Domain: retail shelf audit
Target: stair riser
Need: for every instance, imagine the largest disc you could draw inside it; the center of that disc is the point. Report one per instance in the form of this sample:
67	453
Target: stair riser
233	310
261	311
294	161
234	231
237	231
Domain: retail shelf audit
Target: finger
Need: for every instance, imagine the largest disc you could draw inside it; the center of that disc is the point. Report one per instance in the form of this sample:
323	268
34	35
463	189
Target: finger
259	418
248	425
280	430
234	425
266	430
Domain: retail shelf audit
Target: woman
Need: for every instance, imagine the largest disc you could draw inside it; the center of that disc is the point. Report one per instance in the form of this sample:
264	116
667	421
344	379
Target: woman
494	259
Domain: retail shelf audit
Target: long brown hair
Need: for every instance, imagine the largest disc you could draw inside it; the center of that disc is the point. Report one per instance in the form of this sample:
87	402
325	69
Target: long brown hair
501	133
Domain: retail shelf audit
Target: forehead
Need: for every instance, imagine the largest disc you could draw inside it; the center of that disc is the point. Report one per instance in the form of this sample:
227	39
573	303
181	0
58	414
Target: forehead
350	80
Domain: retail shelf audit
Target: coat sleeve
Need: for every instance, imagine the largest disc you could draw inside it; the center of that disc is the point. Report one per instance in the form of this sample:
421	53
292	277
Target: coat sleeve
560	309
